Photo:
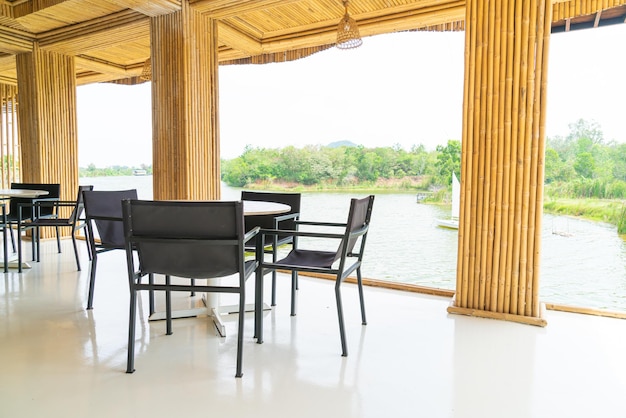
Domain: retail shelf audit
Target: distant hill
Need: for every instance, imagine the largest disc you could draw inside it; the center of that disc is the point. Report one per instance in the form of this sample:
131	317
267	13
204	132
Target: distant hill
338	144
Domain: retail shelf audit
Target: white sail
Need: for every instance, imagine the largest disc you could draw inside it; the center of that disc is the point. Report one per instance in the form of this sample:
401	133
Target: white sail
456	197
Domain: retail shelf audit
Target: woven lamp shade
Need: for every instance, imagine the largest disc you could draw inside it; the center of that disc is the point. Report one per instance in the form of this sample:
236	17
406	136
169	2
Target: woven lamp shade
146	72
348	35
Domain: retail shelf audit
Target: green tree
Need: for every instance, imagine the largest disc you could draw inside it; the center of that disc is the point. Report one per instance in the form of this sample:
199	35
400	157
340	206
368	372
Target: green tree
584	165
448	161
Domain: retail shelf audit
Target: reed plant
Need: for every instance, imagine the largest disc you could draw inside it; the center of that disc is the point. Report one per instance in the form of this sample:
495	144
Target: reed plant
621	221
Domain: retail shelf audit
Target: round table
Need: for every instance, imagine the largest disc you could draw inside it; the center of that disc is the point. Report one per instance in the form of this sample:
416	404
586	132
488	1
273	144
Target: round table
25	193
259	207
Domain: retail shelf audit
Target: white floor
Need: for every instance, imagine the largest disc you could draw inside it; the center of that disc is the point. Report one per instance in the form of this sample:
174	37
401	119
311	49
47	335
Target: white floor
413	359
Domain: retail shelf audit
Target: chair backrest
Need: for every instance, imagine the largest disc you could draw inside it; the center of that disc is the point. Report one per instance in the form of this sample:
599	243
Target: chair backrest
80	205
358	220
53	189
267	221
104	208
185	238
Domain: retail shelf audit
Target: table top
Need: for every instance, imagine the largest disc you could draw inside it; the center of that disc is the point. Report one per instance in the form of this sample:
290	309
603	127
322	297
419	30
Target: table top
257	207
26	193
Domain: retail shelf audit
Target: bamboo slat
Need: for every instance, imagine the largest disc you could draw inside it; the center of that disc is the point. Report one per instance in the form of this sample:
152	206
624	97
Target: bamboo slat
501	182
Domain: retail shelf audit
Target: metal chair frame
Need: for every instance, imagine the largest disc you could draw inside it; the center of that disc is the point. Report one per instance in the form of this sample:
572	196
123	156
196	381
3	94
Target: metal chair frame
314	261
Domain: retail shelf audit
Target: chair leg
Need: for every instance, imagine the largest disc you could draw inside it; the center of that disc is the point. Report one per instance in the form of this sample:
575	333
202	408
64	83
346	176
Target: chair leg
76	251
5	249
151	294
12	239
87	241
274	258
242	302
274	288
37	239
19	250
33	245
130	362
58	239
361	299
294	281
92	281
258	305
168	308
193	292
342	330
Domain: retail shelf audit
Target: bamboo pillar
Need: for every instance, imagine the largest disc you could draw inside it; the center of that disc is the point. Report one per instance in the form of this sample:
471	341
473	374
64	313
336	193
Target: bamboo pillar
186	158
9	139
504	108
47	121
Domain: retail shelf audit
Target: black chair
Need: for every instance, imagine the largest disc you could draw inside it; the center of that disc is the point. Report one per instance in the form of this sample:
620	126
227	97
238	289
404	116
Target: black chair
282	221
345	258
103	212
4	224
73	221
190	240
22	210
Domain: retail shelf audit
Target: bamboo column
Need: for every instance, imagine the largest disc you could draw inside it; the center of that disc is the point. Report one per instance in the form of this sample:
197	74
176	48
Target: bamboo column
47	121
9	139
186	158
506	51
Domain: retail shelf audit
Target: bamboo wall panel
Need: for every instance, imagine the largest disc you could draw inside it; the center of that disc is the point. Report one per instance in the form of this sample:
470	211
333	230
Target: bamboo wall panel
9	138
185	106
505	84
47	123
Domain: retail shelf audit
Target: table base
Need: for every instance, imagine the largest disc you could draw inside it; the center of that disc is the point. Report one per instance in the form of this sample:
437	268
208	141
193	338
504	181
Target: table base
201	308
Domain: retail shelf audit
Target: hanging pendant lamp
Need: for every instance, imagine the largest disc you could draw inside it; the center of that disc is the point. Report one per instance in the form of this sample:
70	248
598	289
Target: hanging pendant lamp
348	36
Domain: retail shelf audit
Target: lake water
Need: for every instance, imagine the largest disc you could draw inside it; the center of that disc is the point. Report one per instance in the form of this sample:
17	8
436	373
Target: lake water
583	263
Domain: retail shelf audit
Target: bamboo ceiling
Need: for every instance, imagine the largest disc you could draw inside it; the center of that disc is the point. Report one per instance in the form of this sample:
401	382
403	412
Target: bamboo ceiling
110	38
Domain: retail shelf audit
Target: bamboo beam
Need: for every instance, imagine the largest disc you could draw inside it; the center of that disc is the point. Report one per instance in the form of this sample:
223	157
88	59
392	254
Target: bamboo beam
15	42
108	68
152	8
97	33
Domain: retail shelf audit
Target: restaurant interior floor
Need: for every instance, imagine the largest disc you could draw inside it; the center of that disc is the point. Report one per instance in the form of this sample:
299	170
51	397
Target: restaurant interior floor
412	359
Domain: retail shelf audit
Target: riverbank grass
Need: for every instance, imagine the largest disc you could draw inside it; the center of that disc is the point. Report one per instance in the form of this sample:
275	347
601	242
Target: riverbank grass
601	210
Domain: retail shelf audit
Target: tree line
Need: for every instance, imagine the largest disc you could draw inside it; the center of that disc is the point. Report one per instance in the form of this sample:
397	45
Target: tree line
579	165
343	166
92	171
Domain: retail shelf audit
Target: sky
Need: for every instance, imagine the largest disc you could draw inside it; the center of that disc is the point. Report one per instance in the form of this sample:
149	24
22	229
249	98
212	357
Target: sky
403	88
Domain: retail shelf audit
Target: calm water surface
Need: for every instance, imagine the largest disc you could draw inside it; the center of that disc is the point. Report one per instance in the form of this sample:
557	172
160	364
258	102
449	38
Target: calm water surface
583	263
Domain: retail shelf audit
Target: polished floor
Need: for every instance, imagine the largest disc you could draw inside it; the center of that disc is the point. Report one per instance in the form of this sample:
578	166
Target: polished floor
413	359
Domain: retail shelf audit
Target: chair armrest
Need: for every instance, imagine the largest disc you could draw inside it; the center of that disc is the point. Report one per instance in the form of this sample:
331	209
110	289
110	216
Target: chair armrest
47	202
104	218
251	233
314	223
31	204
280	218
264	232
37	203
